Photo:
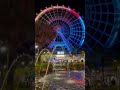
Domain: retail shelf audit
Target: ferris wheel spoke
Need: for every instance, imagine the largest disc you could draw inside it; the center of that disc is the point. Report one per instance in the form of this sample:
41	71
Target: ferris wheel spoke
75	25
54	23
72	37
49	19
65	33
76	28
72	18
63	14
74	21
73	42
75	35
66	36
69	46
45	21
67	25
53	13
77	42
67	14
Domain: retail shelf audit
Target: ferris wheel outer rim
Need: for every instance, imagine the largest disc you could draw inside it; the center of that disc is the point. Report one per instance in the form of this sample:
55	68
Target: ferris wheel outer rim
55	7
70	10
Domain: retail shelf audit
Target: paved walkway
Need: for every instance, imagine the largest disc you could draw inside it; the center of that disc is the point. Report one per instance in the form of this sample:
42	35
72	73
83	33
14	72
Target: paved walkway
63	80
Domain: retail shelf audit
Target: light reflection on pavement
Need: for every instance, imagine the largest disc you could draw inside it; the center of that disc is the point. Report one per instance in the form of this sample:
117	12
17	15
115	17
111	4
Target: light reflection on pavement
64	80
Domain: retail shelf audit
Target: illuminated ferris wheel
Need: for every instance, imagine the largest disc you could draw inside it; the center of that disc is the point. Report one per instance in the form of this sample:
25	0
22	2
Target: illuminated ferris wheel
67	24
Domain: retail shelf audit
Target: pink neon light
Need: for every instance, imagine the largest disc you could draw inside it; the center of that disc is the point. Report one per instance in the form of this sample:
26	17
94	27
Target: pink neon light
76	14
54	7
81	82
57	28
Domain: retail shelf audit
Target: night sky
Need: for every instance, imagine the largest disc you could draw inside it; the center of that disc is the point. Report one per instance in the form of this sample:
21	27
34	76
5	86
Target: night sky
78	5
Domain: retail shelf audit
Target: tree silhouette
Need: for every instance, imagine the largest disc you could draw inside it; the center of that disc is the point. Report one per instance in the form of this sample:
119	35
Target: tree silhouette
44	34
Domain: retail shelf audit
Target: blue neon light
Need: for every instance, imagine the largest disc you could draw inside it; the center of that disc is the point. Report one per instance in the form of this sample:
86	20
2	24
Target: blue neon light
71	38
83	30
78	76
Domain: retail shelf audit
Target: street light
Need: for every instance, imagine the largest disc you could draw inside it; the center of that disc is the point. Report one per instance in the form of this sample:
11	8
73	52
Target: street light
37	48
